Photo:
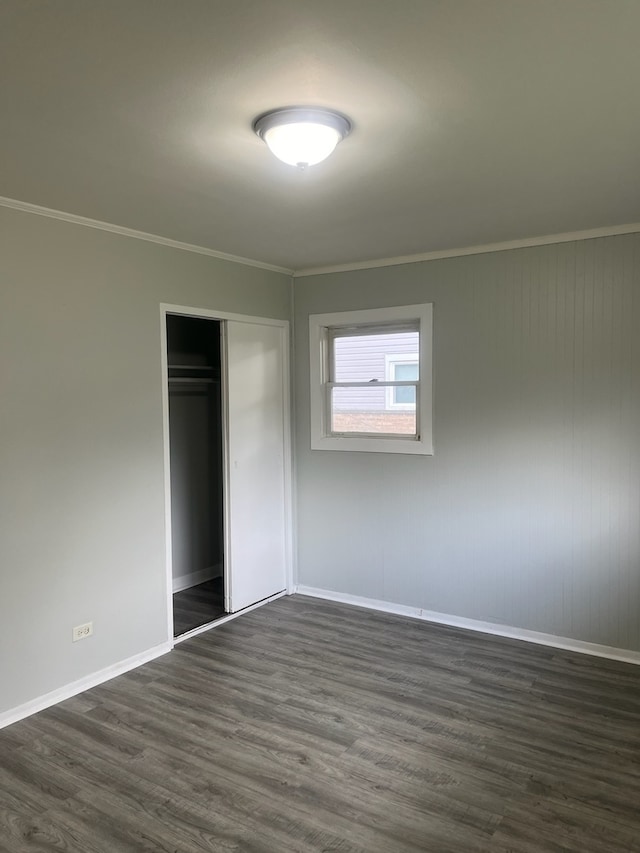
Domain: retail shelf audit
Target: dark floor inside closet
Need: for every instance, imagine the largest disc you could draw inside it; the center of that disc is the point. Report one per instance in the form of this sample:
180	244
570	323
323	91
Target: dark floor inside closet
197	606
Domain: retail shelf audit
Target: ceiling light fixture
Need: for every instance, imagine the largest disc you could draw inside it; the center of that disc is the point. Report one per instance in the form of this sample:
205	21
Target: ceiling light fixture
302	136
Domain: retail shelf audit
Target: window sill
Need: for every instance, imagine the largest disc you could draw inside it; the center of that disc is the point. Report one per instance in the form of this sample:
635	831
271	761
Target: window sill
372	445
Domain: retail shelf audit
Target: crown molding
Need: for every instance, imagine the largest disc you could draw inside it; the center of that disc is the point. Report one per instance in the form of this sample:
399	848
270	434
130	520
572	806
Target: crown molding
568	237
549	239
36	209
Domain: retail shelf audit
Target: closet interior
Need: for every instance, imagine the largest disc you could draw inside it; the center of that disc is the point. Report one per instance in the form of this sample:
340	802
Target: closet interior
196	466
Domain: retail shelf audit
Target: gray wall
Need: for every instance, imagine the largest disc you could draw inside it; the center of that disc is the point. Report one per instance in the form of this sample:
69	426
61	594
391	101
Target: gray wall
81	490
528	513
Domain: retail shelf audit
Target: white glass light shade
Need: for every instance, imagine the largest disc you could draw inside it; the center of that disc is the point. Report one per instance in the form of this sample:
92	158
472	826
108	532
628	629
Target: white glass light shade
302	144
302	136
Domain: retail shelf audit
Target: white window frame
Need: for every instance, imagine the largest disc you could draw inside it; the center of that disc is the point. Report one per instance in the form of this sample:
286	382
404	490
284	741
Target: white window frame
321	437
390	361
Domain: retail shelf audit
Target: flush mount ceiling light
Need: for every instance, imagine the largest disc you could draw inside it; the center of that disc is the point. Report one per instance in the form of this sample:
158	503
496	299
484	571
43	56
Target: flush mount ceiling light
302	136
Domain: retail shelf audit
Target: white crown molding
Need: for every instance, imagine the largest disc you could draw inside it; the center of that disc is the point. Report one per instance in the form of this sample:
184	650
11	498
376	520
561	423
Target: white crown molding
568	237
36	209
564	643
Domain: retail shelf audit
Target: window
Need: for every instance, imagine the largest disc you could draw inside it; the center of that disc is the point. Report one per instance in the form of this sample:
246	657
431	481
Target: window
371	380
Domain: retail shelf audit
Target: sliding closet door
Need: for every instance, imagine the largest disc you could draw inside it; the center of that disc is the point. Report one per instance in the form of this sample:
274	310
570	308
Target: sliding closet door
256	518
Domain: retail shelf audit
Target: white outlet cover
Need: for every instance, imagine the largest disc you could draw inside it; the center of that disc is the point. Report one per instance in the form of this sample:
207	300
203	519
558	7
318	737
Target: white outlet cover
81	632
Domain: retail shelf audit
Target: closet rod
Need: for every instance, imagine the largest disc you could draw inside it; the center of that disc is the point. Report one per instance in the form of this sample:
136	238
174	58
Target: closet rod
190	367
191	380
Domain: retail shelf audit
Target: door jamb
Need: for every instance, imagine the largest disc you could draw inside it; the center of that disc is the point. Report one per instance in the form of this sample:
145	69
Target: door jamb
208	314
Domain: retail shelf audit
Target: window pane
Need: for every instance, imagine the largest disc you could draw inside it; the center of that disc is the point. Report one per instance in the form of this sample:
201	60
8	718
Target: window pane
356	410
360	358
406	372
405	395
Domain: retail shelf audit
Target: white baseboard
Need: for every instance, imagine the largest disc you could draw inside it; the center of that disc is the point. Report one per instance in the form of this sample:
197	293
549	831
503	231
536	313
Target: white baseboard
565	643
187	581
82	684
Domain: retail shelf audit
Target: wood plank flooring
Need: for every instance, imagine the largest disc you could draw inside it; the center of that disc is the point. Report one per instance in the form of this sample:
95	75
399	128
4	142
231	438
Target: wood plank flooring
197	606
311	726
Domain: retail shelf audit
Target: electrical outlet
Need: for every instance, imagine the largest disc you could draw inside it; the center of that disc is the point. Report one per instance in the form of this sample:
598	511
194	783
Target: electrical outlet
81	632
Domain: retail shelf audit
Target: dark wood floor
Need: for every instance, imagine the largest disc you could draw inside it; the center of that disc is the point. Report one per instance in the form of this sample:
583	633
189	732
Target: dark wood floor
311	726
197	606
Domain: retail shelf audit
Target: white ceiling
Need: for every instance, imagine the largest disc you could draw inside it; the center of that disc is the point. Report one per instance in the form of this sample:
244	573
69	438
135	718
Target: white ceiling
475	121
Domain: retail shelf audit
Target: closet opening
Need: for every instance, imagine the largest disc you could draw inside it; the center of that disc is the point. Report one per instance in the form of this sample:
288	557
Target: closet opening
194	347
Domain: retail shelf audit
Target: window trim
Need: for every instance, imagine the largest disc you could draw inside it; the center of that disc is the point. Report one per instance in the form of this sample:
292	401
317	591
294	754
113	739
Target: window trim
319	351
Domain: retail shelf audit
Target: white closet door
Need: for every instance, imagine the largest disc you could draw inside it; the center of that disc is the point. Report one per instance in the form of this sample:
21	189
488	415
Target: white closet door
256	517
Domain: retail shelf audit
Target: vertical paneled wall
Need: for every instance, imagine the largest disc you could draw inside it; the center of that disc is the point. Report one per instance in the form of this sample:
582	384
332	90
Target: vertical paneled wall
528	513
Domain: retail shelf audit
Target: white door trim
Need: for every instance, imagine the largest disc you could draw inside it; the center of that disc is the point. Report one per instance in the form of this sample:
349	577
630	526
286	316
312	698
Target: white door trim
205	313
